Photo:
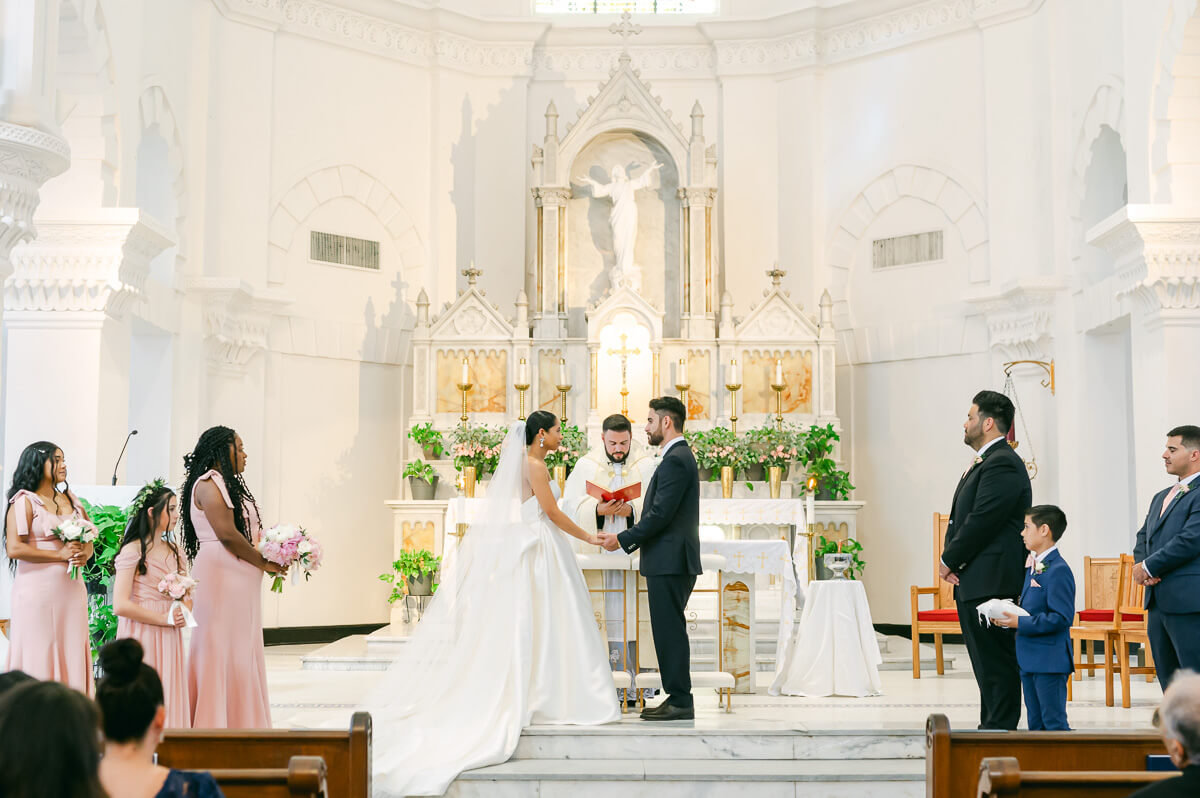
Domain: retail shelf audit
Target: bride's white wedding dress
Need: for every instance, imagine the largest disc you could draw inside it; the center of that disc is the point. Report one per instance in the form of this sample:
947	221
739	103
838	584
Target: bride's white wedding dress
509	640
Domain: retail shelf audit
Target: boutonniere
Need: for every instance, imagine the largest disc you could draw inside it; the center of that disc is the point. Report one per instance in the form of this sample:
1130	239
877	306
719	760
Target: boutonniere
1185	488
1039	567
976	461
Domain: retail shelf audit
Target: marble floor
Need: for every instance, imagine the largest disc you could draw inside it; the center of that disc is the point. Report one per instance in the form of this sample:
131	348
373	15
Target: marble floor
298	694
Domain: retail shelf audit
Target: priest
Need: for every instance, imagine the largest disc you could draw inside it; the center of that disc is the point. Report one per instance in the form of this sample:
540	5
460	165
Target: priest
617	464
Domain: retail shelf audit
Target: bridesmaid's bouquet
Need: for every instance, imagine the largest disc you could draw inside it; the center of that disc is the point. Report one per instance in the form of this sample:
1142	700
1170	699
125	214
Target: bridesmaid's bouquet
290	545
75	530
177	587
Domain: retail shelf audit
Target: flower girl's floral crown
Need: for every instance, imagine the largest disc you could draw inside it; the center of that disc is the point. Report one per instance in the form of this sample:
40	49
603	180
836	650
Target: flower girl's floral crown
141	502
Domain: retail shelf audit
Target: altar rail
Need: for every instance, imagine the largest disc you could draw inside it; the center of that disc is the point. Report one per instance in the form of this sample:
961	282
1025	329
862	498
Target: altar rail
347	754
953	758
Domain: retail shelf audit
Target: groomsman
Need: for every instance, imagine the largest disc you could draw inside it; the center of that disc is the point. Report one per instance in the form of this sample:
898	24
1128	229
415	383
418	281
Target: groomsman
1167	554
983	555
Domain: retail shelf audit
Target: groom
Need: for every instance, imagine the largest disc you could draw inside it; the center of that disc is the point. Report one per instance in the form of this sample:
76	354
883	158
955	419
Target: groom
669	536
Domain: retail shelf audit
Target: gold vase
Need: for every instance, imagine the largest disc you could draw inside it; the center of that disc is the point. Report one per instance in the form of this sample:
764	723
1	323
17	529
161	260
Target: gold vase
776	477
468	478
560	476
727	482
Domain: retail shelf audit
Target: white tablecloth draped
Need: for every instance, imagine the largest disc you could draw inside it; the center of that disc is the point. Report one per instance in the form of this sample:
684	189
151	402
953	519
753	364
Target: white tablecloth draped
835	651
743	512
762	557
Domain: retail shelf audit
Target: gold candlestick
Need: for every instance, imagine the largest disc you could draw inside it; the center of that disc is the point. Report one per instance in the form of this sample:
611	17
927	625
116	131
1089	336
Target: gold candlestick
778	383
465	385
683	389
733	389
810	523
563	390
521	389
522	385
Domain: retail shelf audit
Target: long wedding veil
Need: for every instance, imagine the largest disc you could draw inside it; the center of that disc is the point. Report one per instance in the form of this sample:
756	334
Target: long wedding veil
441	700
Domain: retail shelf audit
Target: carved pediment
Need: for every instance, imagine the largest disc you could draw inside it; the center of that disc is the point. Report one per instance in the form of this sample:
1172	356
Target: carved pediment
471	318
624	300
777	318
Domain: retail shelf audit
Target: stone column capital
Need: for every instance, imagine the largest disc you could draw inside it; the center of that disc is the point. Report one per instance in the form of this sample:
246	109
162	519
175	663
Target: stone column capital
28	158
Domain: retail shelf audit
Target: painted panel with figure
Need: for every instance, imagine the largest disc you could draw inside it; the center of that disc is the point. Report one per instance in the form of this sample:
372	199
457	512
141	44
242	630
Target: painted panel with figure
547	382
489	377
757	394
700	392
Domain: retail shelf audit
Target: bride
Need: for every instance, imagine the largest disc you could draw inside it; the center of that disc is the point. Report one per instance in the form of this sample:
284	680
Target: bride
508	640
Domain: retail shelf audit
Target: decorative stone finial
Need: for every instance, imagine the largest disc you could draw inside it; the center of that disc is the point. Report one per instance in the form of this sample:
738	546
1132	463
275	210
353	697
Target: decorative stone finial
472	274
625	28
826	305
551	121
422	309
697	121
776	275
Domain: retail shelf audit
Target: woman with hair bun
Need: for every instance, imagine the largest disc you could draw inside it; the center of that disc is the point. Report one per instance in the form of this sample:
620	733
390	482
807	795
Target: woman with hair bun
49	630
130	696
146	557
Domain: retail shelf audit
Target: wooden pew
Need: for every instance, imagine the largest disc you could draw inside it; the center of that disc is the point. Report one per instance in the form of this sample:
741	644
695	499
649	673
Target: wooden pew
347	754
952	759
304	777
1002	777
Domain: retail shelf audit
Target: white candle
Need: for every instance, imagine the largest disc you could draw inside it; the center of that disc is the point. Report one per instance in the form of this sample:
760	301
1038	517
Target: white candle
523	373
562	371
683	380
733	374
779	372
466	374
809	518
460	509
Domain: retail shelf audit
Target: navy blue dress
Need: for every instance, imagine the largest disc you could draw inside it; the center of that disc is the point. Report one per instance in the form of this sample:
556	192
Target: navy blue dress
188	784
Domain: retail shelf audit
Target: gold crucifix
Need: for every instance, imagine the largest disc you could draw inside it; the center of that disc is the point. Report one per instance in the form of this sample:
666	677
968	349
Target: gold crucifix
624	352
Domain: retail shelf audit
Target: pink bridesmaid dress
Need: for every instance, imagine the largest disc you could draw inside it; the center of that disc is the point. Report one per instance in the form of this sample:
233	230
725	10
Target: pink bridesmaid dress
227	672
163	645
49	629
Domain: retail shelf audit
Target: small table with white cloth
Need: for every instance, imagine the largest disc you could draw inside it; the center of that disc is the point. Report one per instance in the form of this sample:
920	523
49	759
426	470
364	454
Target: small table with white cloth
835	651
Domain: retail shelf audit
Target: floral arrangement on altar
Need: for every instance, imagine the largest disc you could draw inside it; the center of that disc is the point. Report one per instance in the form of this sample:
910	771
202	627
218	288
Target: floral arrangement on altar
717	448
573	446
478	446
770	446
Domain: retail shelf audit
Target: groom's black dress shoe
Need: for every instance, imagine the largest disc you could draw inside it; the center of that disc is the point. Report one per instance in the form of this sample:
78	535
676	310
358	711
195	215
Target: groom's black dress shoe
669	712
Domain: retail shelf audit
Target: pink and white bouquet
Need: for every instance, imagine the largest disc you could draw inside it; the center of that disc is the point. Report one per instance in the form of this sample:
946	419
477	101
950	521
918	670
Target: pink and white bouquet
75	530
177	587
290	545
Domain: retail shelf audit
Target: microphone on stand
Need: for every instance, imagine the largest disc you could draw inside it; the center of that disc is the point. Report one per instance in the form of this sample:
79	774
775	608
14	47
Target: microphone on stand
117	464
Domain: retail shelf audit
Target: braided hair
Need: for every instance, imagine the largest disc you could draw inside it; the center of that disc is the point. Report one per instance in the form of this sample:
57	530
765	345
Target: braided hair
147	508
28	475
214	451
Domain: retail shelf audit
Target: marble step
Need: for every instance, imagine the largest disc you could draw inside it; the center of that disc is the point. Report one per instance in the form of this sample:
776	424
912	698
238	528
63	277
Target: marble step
668	778
635	741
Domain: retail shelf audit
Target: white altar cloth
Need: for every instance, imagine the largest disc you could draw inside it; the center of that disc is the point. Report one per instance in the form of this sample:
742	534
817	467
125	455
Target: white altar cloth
743	512
835	651
762	557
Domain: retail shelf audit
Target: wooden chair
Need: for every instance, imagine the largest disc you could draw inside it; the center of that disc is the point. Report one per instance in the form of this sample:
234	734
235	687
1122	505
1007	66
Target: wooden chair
1103	586
952	758
1131	629
943	618
304	776
4	626
346	753
1002	777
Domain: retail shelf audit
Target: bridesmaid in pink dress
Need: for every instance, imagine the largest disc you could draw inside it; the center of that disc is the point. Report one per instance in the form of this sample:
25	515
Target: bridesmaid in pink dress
144	614
227	675
49	630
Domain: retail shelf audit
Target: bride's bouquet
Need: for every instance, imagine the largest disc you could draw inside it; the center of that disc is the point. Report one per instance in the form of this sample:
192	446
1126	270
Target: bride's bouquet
75	530
176	587
290	545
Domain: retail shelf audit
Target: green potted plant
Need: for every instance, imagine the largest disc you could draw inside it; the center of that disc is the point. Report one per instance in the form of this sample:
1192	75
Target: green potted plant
429	439
698	442
413	574
832	482
422	480
823	545
98	574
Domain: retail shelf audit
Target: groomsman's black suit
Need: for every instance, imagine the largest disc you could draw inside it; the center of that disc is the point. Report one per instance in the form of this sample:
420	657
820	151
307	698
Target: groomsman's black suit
669	538
983	546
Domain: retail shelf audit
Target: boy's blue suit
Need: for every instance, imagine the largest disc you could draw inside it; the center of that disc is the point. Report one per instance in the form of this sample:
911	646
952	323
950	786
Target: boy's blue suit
1044	642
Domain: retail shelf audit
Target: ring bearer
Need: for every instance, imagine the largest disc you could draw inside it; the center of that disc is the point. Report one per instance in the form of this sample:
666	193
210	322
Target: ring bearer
618	464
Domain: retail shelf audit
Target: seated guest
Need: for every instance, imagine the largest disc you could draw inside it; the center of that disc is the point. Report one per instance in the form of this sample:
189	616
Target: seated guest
131	699
1179	718
1044	636
11	679
49	743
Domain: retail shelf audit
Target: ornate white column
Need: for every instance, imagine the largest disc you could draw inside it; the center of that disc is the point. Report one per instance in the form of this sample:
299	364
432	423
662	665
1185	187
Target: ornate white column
67	306
700	277
1157	253
550	315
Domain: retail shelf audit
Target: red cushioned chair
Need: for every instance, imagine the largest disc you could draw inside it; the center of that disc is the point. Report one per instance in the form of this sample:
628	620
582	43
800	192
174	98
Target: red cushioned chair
1103	583
943	618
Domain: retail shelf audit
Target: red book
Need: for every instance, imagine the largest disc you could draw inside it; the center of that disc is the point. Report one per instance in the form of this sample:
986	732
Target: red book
625	494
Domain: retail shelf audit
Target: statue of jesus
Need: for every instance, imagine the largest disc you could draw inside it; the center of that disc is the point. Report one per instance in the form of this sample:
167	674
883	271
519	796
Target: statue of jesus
623	218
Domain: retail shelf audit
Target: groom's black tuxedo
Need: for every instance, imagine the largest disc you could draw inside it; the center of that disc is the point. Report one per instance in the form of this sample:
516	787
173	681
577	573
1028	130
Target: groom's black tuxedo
984	548
668	536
